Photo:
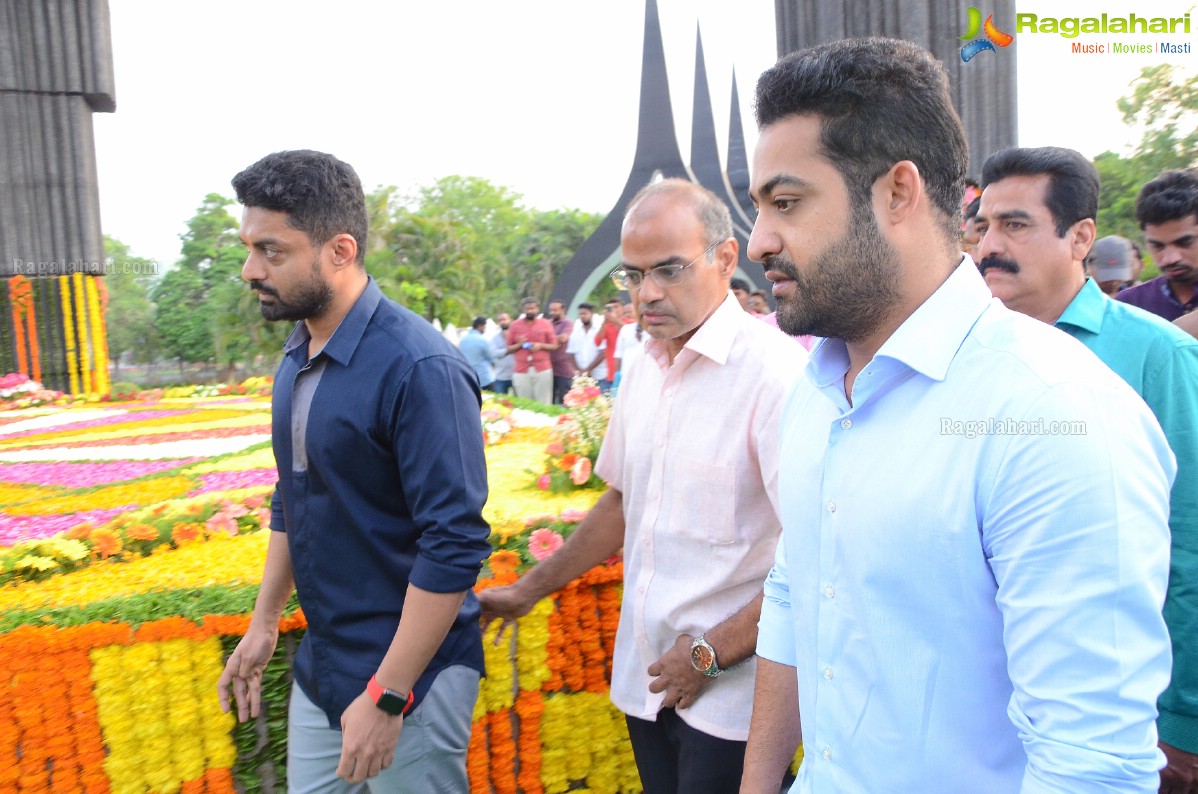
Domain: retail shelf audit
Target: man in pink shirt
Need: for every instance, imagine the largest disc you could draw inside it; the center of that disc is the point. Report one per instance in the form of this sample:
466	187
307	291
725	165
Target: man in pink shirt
529	340
691	460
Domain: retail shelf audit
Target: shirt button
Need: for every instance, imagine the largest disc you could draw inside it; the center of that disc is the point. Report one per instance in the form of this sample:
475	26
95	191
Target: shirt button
669	392
846	423
831	505
827	753
830	591
828	673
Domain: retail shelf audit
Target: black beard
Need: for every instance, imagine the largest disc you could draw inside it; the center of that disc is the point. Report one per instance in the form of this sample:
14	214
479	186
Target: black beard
849	289
308	301
993	262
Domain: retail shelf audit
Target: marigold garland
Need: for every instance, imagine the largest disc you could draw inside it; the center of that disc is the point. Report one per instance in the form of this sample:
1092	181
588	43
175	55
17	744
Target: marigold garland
530	734
98	334
68	327
82	332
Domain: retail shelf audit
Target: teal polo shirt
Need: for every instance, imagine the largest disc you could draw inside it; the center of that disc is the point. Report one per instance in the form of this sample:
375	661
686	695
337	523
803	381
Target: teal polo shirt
1159	361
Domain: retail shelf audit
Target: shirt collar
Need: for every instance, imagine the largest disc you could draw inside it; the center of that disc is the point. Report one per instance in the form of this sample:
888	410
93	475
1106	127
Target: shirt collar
1086	310
713	339
928	340
344	341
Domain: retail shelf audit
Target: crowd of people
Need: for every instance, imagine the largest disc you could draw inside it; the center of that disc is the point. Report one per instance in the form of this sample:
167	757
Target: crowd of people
594	346
941	527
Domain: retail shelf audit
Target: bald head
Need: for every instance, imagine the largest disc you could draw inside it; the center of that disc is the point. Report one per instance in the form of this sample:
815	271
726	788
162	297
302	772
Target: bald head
708	209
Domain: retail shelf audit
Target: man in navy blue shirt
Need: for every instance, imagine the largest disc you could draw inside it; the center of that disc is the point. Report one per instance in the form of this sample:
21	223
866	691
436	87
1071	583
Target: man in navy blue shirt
377	514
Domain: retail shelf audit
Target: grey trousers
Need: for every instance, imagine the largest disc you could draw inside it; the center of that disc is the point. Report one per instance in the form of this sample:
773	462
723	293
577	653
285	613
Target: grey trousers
429	759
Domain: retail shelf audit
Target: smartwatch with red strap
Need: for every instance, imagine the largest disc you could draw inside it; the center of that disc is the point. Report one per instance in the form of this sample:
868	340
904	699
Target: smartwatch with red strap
388	700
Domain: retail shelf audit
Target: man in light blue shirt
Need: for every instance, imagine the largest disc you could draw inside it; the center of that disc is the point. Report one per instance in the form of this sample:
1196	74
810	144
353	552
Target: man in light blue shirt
967	596
505	362
1037	218
479	353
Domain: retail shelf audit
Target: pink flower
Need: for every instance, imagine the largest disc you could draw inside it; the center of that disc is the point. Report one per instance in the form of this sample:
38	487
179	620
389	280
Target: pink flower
263	514
581	471
543	482
543	542
222	522
572	516
233	509
555	449
591	392
254	502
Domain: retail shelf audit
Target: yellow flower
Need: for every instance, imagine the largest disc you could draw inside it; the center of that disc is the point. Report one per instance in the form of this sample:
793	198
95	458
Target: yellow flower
35	563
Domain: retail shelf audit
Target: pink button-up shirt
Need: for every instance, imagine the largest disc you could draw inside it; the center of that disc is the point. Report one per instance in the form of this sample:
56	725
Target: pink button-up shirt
693	448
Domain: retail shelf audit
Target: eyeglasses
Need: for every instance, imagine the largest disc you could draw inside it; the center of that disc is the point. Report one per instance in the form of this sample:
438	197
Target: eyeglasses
663	275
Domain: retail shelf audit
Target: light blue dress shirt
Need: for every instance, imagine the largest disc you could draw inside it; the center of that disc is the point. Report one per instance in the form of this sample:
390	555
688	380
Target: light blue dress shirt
973	562
1159	361
477	350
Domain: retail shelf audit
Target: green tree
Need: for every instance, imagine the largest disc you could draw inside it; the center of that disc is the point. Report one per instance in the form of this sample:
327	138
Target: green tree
204	311
1164	108
129	318
463	246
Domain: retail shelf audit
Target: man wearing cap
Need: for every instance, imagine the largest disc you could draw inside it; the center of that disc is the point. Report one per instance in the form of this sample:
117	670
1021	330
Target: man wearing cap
1167	209
1109	263
1037	216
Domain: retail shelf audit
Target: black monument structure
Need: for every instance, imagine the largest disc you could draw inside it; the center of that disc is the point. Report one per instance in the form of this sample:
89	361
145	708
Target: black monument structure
658	156
983	94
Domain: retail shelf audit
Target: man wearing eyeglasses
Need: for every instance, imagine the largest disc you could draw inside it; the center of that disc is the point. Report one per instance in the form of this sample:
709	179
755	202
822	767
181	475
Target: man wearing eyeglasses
691	458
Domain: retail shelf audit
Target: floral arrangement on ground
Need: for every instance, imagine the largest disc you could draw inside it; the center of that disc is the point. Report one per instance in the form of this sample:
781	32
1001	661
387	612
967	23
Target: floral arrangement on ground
132	542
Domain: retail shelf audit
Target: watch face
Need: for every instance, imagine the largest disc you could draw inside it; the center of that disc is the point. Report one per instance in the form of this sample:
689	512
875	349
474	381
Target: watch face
701	658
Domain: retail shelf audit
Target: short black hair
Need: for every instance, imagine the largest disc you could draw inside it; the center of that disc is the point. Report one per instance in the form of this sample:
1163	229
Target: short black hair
528	300
880	101
321	195
479	322
971	211
740	284
1072	180
1171	196
584	305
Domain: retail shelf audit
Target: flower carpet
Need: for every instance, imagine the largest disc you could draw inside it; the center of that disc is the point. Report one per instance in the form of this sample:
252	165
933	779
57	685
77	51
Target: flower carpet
131	548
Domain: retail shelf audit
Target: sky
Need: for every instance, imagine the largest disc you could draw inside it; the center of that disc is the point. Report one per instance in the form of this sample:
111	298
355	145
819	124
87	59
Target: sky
539	96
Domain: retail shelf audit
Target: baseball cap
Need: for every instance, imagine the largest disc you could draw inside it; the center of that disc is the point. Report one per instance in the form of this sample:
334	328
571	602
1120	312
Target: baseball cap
1110	259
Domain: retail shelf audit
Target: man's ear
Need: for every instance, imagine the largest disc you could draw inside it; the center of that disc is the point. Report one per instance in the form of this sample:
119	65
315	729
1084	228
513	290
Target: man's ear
1081	236
344	249
728	256
900	190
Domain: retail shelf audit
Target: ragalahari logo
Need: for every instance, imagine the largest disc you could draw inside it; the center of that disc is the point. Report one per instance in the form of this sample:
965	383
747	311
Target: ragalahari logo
993	34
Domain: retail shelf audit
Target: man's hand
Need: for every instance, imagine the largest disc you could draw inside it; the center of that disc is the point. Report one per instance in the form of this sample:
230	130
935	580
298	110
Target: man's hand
244	672
675	675
505	603
368	739
1180	775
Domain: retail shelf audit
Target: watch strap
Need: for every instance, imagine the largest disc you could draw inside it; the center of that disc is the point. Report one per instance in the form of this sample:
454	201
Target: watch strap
714	668
389	700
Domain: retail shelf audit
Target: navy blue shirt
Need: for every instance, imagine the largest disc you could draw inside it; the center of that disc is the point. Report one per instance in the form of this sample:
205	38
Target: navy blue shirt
392	493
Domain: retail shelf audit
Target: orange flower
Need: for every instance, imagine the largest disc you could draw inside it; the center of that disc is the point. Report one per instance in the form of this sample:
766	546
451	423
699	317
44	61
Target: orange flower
567	462
185	532
504	561
142	532
106	543
80	531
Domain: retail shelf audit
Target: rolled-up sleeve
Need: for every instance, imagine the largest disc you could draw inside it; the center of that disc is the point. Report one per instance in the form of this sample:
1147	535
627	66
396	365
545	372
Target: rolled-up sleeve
775	628
438	446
